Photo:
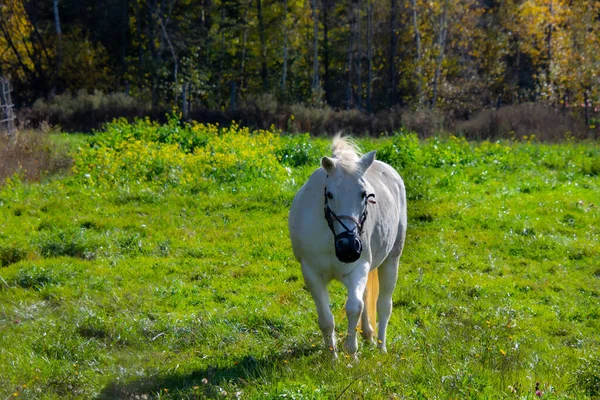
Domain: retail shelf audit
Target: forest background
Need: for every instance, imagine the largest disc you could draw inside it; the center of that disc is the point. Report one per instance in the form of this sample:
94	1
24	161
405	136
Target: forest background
485	68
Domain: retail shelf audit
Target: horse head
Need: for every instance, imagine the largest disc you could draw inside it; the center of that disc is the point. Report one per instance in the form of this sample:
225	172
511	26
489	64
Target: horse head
347	197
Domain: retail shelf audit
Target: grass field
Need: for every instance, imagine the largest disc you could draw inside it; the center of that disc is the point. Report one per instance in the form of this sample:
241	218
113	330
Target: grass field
160	267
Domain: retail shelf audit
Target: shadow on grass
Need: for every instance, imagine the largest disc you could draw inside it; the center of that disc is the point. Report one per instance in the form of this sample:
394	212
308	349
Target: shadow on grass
242	371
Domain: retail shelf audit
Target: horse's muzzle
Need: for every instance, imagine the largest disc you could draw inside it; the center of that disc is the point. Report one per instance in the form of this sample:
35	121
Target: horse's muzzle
347	247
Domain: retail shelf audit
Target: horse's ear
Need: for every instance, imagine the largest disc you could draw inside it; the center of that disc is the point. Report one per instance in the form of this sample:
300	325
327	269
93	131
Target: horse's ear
328	165
366	161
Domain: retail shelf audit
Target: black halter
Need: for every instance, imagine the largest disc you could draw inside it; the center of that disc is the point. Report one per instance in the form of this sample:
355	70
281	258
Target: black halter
330	215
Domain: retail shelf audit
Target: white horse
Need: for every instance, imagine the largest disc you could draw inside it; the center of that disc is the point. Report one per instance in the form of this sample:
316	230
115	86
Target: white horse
348	222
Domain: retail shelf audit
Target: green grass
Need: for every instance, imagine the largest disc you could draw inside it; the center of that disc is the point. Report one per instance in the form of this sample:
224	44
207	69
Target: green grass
165	288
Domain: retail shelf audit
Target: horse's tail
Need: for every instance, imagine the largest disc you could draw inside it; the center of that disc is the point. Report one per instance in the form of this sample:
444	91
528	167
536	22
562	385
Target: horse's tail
372	293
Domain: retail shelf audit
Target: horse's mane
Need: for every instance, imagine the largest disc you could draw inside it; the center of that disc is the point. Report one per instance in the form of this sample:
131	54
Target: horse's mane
346	151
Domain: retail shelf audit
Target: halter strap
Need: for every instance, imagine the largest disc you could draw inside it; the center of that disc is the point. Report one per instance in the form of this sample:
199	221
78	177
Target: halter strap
359	223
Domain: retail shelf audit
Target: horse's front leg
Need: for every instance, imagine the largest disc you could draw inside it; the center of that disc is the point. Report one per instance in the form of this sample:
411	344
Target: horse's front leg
317	287
356	283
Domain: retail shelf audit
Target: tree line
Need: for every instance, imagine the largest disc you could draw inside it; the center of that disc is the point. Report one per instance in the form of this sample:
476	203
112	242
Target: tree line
457	56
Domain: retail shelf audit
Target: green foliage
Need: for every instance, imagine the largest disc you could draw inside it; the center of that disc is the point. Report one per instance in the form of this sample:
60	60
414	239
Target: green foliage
458	58
186	137
401	151
588	376
126	280
11	253
299	151
176	155
33	277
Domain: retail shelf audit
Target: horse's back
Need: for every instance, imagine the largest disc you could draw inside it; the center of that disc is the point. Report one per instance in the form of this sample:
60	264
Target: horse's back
389	213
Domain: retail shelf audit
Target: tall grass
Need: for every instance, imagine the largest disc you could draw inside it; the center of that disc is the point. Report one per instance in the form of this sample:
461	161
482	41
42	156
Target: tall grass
31	155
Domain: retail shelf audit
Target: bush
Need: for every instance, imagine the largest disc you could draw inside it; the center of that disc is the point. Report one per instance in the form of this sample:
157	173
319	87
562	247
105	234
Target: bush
192	157
31	156
299	150
310	119
84	111
187	137
546	123
425	122
402	150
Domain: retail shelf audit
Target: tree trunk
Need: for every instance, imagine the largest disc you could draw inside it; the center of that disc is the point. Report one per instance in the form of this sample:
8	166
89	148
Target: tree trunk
153	51
124	27
359	91
326	77
550	28
244	51
285	49
418	55
392	55
264	73
315	78
370	54
350	58
58	35
440	58
221	48
141	66
206	27
171	48
586	107
184	101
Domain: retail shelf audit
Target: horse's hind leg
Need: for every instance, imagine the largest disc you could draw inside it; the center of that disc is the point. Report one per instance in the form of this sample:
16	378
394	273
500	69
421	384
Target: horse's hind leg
318	289
388	274
367	320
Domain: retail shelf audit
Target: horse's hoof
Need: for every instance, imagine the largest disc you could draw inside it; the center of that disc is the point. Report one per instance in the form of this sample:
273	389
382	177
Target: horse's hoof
334	358
350	349
368	338
333	353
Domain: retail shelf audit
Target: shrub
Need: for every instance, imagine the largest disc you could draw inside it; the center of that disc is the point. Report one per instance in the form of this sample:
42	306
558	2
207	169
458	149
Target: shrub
425	122
236	156
31	156
447	152
299	150
187	137
546	123
309	119
402	150
265	104
178	155
83	111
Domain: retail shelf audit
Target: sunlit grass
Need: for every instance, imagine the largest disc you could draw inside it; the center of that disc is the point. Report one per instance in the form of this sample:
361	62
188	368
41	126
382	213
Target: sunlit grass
131	289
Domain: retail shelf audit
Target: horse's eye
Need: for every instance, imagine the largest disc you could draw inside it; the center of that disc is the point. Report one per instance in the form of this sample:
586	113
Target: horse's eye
363	194
329	195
